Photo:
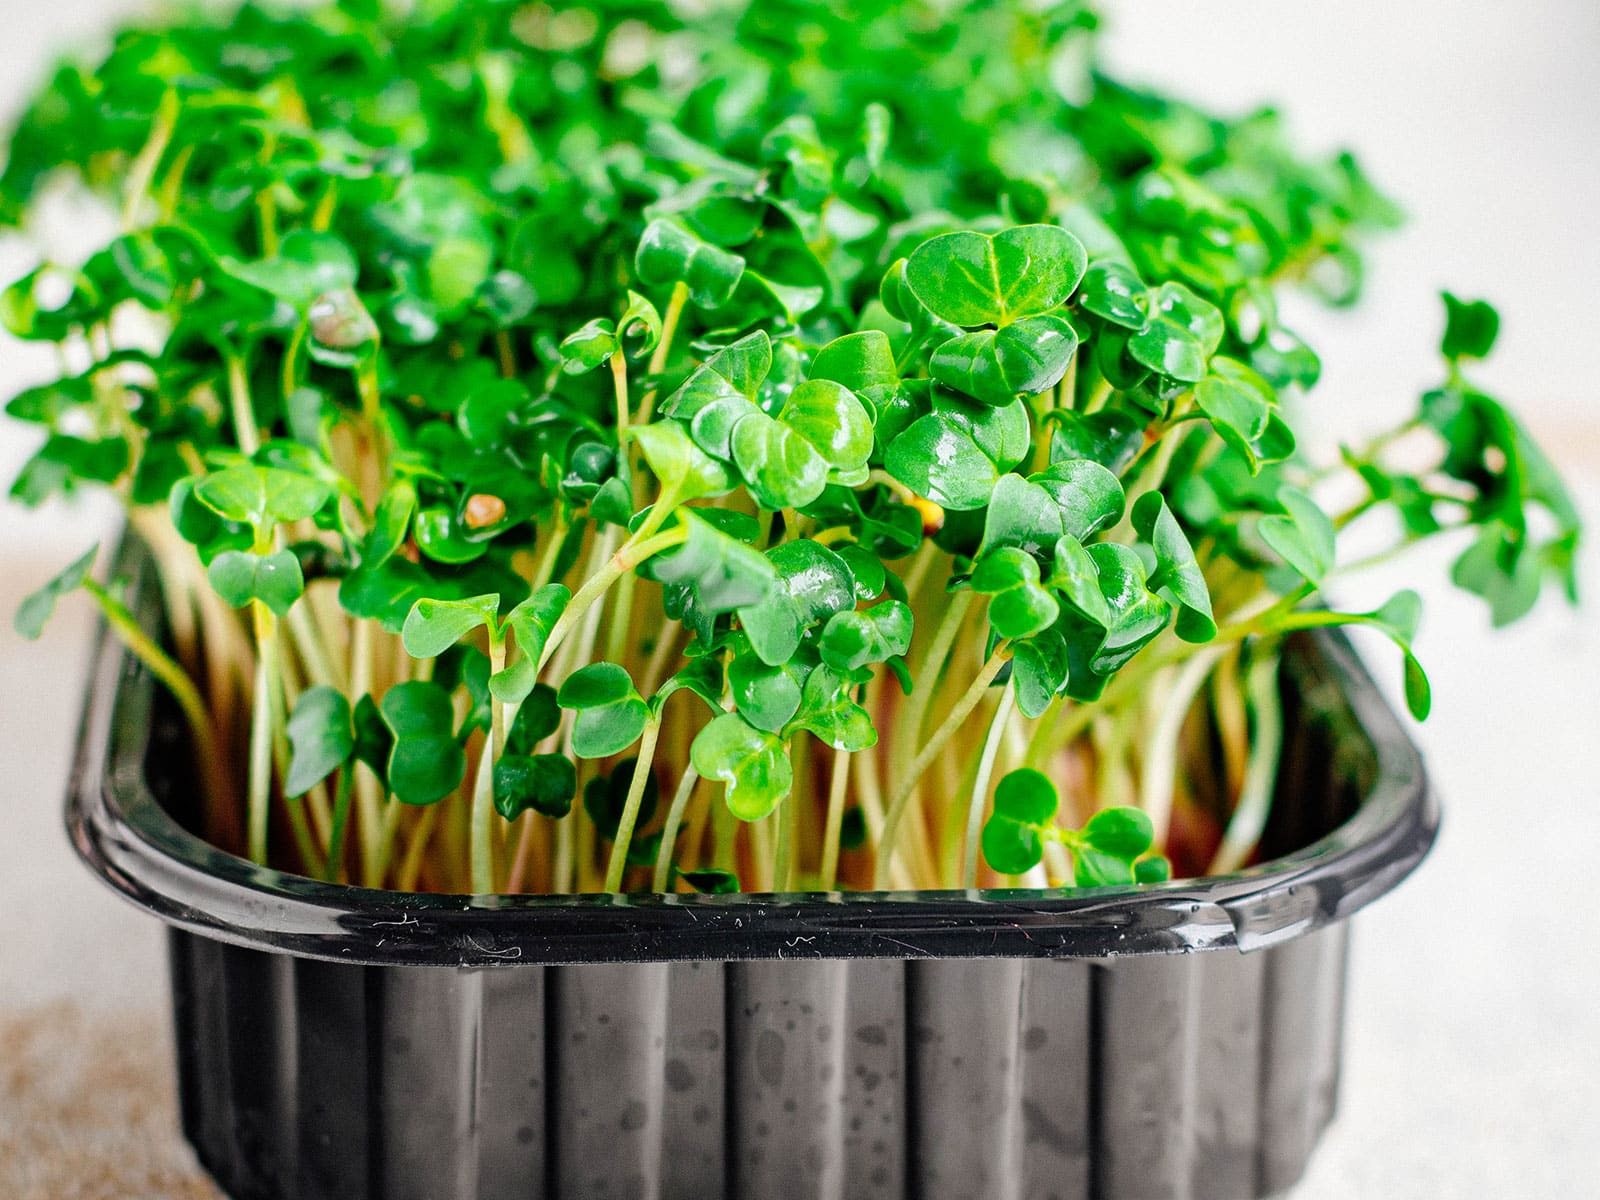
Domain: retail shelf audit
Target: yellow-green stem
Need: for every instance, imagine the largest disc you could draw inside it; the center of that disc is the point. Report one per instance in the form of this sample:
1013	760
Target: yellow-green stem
980	787
905	788
258	808
838	786
482	846
669	832
908	729
630	808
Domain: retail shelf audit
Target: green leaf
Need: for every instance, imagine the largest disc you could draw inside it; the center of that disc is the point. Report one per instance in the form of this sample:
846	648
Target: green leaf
1095	868
1113	291
33	613
1025	805
811	584
994	366
1010	847
971	279
321	738
1184	331
1022	515
545	783
852	640
1177	571
1398	619
857	361
686	472
262	496
390	523
426	762
1137	614
610	712
1110	437
239	577
1238	403
1038	672
833	420
1471	327
828	712
766	696
936	457
308	265
781	468
640	321
433	626
373	741
589	347
1076	577
605	797
1026	795
1088	496
668	253
752	763
538	717
1154	869
1019	607
1123	833
531	623
1304	538
722	572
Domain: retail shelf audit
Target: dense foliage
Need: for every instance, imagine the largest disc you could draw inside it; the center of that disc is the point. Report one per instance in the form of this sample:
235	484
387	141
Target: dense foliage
714	444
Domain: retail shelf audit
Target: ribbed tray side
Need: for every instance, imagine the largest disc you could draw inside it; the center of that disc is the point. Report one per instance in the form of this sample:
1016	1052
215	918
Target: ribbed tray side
1177	1077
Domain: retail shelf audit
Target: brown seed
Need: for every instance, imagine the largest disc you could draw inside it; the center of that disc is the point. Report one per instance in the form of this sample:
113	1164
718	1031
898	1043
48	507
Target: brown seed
484	510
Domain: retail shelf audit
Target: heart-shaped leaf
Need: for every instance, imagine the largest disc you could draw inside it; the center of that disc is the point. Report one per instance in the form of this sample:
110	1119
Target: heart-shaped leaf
321	739
829	713
1304	537
812	583
1023	515
1177	571
781	468
1019	607
669	253
971	279
545	783
1113	291
752	763
610	712
995	366
852	640
240	576
433	626
426	761
1184	331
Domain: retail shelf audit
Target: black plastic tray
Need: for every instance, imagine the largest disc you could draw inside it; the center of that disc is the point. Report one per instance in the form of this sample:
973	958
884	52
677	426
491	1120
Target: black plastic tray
336	1042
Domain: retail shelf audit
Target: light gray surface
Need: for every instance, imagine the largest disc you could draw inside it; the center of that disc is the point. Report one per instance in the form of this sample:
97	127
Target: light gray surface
1474	1029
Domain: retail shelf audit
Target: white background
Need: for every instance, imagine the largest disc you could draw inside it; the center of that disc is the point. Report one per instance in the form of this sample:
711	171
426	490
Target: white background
1473	1056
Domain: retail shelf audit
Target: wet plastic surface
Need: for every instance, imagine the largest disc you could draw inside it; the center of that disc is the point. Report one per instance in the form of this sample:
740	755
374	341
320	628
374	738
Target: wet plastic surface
1019	1045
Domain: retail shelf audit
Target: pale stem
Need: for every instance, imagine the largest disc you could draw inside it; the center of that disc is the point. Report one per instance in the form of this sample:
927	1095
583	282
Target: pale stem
980	786
908	729
1261	771
838	786
482	849
266	682
1157	777
905	788
669	832
630	807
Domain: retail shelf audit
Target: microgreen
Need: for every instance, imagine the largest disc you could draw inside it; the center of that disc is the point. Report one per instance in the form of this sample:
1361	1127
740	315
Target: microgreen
922	428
